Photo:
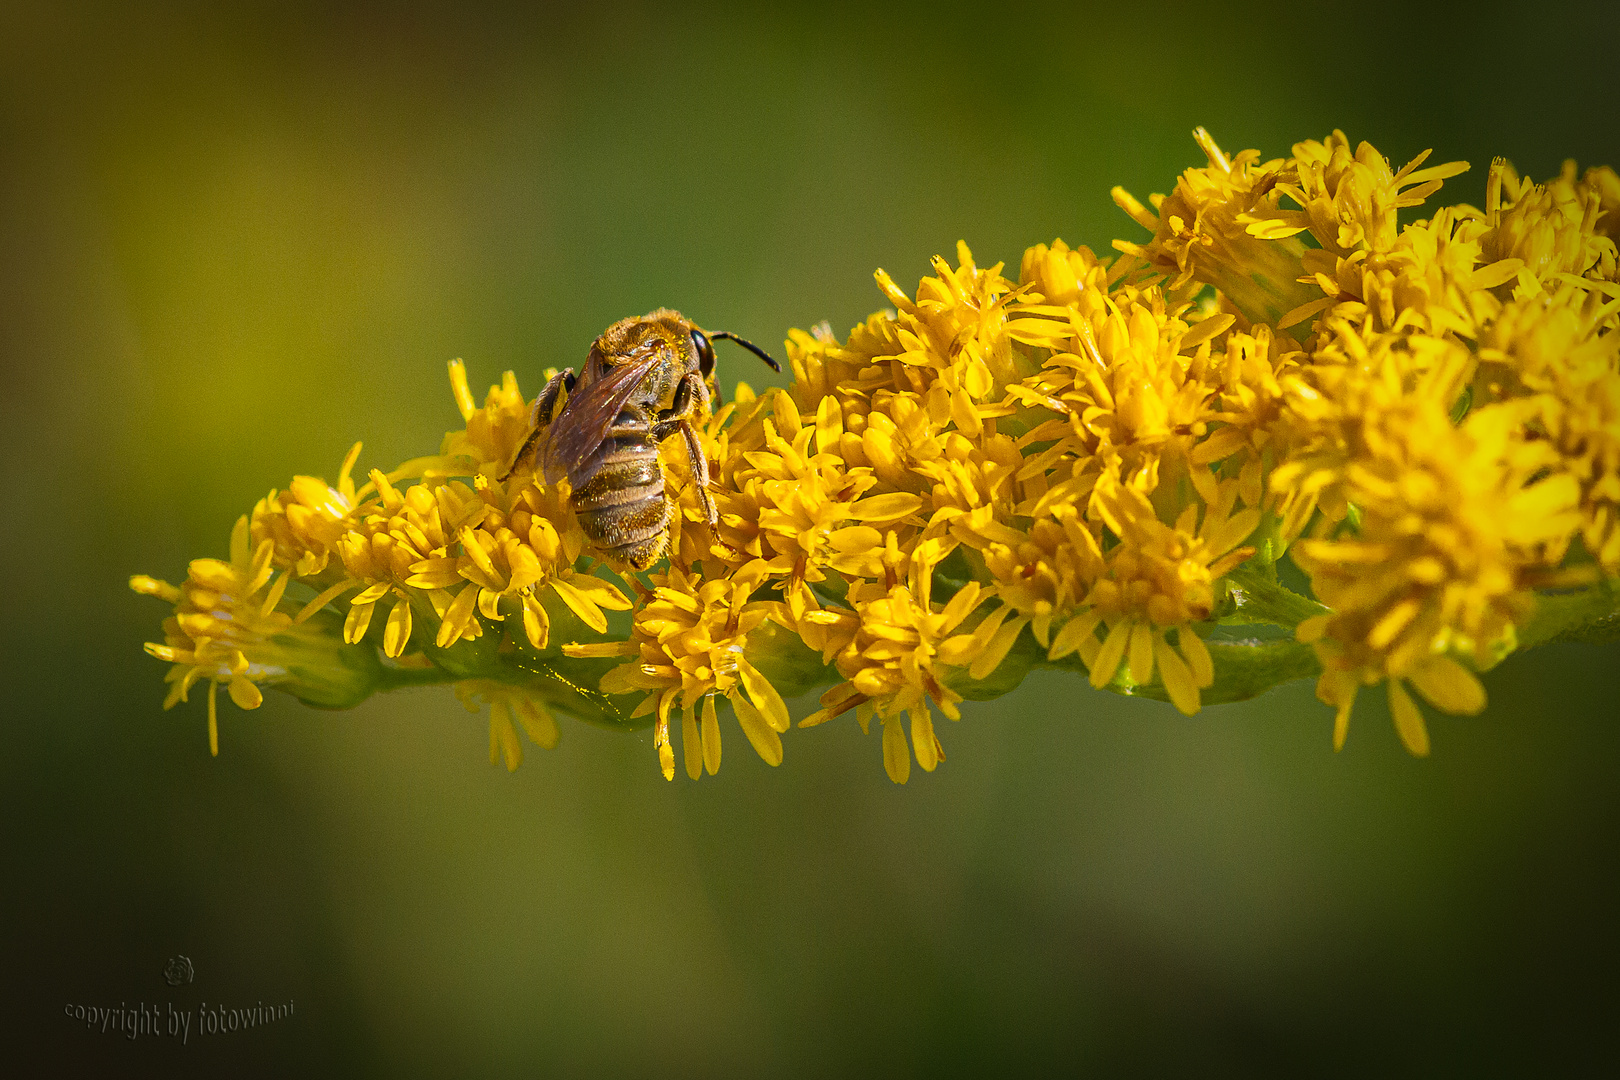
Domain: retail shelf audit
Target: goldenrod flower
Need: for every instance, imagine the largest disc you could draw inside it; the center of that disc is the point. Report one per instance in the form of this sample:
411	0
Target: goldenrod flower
517	551
1349	199
1047	574
1550	230
494	431
1450	524
306	521
1123	383
509	706
382	553
1548	350
1160	578
229	628
1213	228
896	643
689	641
1252	433
798	512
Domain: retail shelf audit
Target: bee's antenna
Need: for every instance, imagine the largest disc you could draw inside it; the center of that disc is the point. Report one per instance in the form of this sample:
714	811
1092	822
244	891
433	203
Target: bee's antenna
750	346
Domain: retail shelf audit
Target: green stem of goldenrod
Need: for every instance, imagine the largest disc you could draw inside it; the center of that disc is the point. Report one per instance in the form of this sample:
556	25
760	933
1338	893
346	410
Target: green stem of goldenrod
1243	668
1591	614
399	678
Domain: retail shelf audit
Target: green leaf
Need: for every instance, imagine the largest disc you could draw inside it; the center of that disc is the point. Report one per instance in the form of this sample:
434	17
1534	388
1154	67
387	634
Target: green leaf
1260	598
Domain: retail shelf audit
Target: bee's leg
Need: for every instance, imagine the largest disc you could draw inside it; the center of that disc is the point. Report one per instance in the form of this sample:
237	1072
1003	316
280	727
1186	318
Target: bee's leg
700	472
547	401
540	416
691	399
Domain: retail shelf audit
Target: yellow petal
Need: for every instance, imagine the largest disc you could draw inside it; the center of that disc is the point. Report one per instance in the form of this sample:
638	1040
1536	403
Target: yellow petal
1311	629
1233	531
767	743
599	592
245	694
472	543
888	507
1201	332
1073	632
690	747
536	623
151	586
711	736
1408	720
1199	661
357	623
372	593
261	568
457	616
962	604
433	573
922	739
666	753
397	634
1111	653
213	716
855	539
1176	676
998	648
764	695
581	605
489	605
1141	653
345	484
273	597
1448	685
896	755
463	393
957	651
239	543
326	597
600	648
1041	627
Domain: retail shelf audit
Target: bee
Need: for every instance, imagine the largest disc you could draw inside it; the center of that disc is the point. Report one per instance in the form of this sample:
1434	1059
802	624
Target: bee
645	379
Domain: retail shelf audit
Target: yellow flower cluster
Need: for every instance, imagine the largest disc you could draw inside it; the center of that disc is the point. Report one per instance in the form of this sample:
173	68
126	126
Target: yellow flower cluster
449	560
232	626
1445	423
1041	439
1096	464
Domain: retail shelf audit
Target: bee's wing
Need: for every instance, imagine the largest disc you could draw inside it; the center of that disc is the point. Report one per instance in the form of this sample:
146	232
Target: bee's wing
586	418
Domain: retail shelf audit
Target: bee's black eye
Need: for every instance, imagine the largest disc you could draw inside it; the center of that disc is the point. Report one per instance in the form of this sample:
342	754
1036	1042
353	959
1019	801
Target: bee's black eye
705	351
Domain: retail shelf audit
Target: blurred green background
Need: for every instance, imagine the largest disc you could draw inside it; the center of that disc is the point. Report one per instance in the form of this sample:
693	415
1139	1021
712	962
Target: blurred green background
232	243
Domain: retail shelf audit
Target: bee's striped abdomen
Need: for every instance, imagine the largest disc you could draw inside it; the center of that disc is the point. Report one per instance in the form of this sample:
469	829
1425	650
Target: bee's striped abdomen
622	507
